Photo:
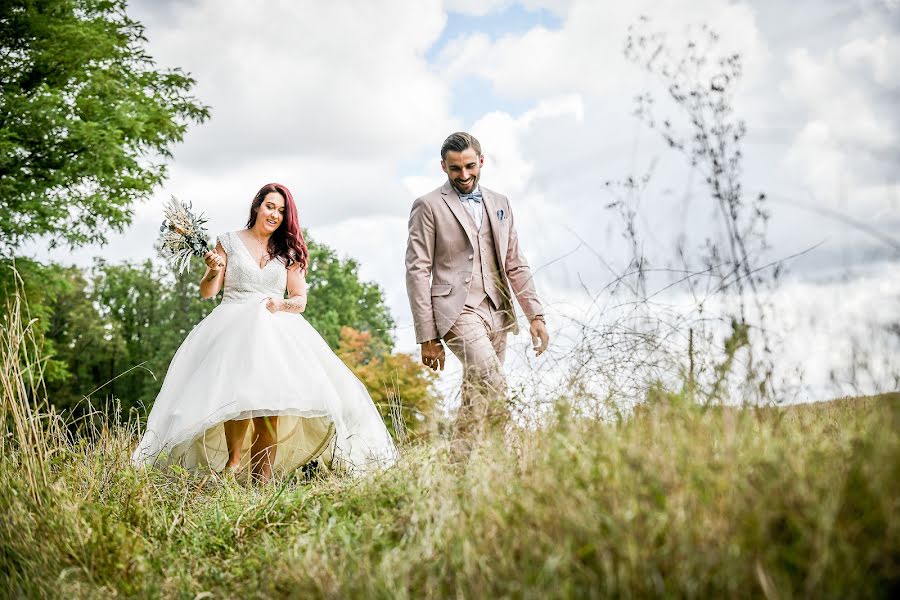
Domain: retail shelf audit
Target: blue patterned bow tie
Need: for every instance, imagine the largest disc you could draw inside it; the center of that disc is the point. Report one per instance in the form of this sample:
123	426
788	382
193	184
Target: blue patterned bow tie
475	196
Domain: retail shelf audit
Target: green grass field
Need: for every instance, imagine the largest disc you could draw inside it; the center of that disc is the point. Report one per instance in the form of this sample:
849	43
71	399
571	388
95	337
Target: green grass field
676	501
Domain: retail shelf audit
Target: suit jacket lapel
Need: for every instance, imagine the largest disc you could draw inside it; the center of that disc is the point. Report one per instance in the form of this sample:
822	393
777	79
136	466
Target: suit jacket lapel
456	207
490	206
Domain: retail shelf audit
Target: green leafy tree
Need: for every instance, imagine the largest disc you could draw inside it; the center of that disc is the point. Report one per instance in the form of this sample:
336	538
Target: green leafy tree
86	119
81	339
49	290
337	299
76	342
151	310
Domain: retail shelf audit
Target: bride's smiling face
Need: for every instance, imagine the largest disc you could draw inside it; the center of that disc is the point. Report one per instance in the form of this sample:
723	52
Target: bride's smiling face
270	213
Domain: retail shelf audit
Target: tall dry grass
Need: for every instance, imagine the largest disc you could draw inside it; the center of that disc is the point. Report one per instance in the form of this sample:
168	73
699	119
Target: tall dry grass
672	500
21	382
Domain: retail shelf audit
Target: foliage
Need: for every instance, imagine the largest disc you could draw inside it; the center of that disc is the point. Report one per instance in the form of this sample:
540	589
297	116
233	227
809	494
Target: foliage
95	327
86	119
400	386
150	310
338	298
63	313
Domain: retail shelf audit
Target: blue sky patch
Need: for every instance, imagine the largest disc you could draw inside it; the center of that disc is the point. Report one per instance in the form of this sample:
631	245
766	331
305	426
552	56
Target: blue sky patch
514	20
473	96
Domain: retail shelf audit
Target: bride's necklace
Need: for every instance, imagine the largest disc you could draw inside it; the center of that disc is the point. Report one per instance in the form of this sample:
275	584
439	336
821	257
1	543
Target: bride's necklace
264	246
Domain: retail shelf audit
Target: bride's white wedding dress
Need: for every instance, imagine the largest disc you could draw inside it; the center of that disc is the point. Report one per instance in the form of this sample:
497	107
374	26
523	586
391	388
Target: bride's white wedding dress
241	362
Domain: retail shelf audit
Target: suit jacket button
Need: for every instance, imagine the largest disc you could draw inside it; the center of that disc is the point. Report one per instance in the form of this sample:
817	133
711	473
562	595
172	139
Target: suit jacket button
471	256
468	279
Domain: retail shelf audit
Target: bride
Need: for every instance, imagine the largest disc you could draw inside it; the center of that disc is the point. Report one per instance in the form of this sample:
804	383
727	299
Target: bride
254	385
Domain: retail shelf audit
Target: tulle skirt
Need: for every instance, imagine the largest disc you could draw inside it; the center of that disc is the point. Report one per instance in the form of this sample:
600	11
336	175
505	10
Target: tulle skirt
242	362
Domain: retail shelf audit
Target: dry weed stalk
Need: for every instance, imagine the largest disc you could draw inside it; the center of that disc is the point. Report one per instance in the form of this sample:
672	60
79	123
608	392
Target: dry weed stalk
21	381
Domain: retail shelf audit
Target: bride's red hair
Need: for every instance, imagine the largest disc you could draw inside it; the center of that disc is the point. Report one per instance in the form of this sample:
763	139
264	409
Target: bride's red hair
287	243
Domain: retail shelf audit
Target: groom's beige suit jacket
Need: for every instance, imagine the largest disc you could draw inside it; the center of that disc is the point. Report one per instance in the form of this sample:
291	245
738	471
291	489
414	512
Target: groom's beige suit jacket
439	263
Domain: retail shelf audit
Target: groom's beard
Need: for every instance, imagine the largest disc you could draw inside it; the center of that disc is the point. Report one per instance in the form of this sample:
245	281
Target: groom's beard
474	185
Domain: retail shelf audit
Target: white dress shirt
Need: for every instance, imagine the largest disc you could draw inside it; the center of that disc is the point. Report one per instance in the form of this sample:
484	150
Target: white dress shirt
473	207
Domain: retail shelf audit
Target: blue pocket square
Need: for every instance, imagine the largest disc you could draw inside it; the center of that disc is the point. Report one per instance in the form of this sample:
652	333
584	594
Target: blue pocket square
501	214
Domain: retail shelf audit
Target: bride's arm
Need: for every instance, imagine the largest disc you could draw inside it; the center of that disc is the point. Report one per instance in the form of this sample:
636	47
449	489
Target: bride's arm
296	287
215	272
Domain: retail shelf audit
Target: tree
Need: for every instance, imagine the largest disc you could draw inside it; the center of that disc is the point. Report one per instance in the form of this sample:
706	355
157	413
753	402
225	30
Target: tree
400	386
76	343
51	292
151	310
80	340
86	120
337	298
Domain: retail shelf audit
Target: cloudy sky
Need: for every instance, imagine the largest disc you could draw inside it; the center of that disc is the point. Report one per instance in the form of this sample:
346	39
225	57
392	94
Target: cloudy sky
347	103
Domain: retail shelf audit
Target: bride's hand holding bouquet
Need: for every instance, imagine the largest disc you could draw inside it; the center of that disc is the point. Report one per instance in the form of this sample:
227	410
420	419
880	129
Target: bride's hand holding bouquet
214	261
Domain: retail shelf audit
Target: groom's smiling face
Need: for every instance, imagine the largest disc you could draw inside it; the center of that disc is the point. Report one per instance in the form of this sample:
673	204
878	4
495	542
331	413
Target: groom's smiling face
463	169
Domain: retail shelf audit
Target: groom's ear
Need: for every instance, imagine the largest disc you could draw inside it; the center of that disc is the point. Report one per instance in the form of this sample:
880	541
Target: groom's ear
480	160
443	166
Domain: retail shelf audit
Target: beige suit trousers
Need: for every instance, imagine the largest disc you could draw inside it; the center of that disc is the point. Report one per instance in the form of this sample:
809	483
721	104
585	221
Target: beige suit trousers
478	339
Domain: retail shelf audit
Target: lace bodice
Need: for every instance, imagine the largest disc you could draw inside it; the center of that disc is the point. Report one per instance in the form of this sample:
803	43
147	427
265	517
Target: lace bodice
244	280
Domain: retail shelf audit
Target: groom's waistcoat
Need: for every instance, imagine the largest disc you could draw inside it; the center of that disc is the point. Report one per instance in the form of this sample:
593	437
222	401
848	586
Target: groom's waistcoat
485	280
442	273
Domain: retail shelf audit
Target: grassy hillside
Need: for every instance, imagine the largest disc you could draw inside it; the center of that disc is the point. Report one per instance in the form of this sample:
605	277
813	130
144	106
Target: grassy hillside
676	501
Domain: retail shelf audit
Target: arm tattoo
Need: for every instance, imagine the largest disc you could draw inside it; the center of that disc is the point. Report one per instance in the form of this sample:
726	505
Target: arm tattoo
295	304
211	276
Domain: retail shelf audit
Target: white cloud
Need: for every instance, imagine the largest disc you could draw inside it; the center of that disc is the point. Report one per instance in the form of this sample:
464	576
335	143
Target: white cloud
305	78
585	54
881	55
326	190
820	118
557	7
476	8
829	94
508	167
849	137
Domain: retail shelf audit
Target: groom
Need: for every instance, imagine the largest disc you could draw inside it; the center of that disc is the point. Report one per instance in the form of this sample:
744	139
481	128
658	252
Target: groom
462	260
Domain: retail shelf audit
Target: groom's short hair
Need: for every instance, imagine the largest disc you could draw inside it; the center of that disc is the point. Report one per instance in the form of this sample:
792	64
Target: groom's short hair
458	142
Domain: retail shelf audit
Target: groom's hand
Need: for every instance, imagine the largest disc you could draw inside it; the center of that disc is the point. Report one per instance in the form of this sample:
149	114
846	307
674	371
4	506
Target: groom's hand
433	354
539	336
